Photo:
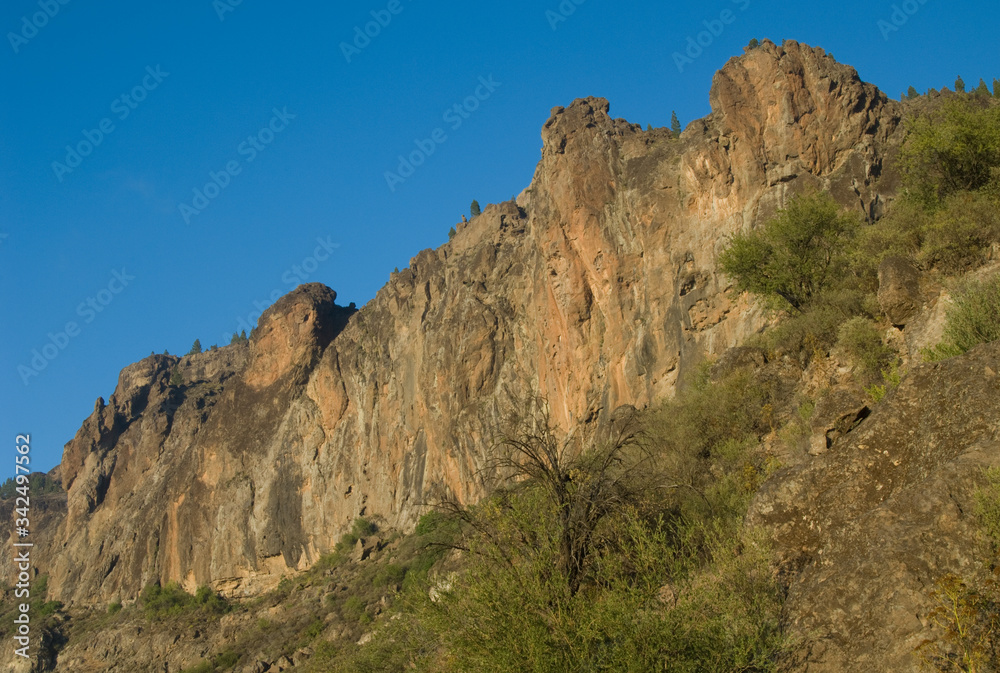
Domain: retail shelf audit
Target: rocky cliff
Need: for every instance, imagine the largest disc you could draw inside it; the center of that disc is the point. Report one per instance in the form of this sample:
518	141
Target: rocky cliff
597	287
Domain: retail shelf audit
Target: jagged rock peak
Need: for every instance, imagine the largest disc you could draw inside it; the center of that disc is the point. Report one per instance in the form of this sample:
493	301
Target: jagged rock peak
293	333
583	113
796	101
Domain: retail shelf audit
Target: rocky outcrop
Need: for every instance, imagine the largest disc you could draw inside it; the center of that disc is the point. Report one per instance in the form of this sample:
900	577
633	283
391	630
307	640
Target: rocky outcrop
875	521
898	289
597	287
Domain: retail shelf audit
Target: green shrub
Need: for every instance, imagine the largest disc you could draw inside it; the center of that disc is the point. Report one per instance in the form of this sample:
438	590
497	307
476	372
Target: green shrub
114	608
654	606
862	342
49	608
315	628
967	621
973	318
159	602
988	508
361	528
707	415
398	646
965	610
390	575
958	236
353	608
226	659
794	257
953	148
429	522
209	601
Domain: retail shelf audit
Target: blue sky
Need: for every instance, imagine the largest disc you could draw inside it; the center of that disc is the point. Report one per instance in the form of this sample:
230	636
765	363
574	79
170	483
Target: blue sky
100	265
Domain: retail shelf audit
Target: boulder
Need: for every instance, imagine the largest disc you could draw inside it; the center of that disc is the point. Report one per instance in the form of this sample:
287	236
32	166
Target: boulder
898	289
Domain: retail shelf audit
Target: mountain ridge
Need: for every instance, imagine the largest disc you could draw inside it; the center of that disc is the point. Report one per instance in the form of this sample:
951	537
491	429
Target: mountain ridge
596	287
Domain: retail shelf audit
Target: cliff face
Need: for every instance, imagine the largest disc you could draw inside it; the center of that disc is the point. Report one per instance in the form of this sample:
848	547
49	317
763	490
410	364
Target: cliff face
597	287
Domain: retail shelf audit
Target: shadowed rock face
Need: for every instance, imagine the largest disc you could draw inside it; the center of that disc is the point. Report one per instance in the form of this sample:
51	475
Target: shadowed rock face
596	288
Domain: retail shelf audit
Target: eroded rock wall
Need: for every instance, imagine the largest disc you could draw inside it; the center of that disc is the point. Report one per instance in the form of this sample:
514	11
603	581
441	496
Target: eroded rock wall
597	287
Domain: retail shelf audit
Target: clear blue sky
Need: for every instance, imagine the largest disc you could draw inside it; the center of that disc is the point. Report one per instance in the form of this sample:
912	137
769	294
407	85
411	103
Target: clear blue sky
169	93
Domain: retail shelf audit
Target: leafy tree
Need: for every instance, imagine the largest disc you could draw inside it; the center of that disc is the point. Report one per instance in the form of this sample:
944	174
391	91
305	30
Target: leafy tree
960	85
675	124
451	233
754	43
176	378
580	485
475	209
243	336
996	87
195	347
235	339
954	148
912	93
795	256
673	581
982	89
649	127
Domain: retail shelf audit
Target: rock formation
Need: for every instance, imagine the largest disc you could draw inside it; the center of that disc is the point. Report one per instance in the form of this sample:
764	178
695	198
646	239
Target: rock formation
887	511
596	287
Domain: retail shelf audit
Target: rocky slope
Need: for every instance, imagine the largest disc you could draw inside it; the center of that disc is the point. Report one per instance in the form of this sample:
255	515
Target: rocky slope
597	287
885	512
